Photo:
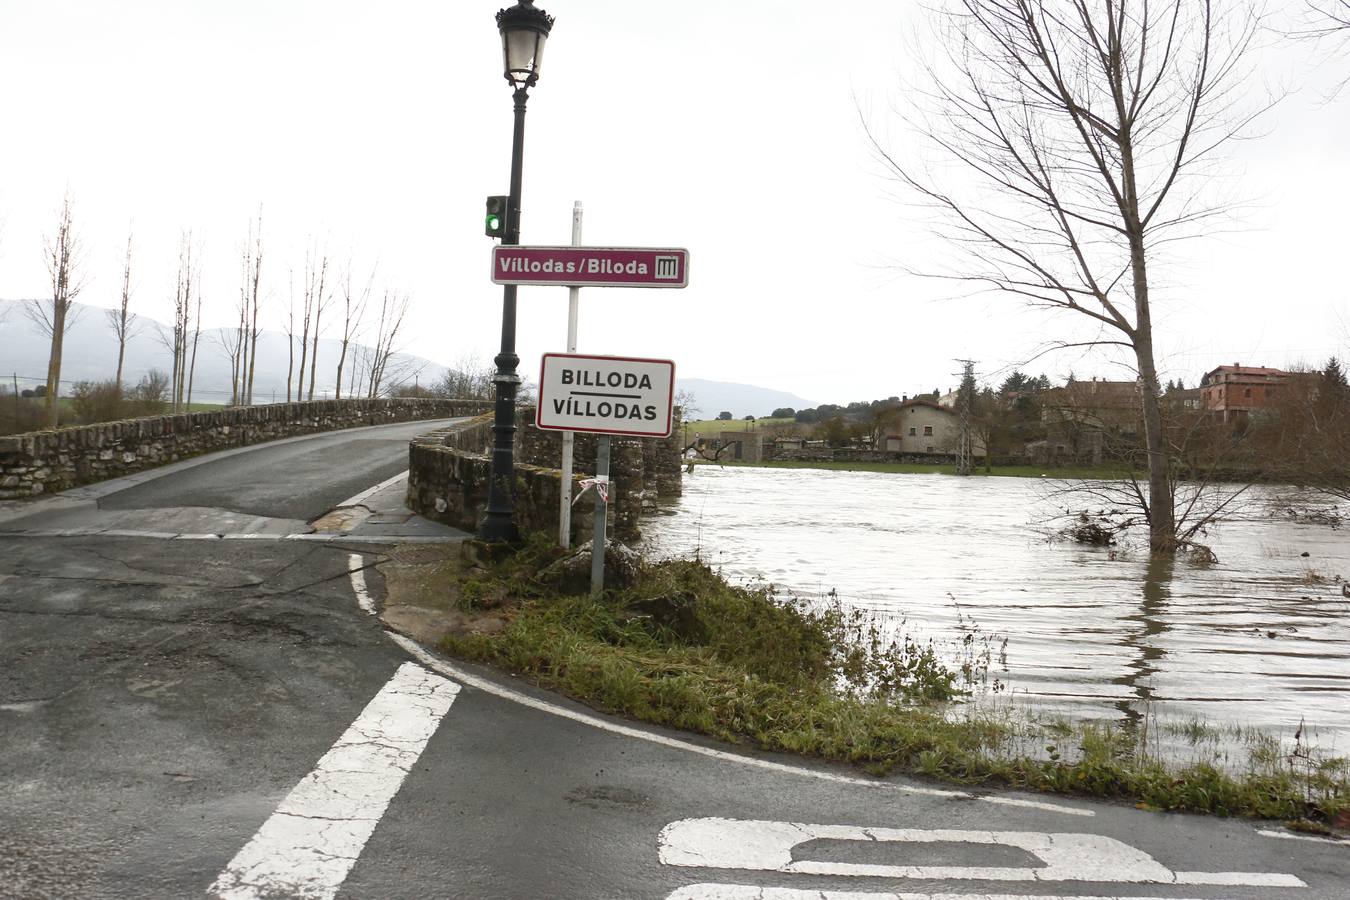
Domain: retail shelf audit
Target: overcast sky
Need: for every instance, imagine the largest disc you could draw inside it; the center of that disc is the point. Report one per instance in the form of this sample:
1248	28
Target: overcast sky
731	129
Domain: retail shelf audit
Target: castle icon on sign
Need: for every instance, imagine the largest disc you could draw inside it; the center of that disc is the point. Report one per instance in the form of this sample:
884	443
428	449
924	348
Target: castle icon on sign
667	268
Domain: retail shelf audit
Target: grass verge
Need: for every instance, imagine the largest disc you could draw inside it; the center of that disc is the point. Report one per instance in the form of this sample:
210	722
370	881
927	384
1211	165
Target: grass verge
683	648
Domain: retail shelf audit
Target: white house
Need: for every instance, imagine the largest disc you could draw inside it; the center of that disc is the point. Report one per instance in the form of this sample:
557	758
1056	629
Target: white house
922	426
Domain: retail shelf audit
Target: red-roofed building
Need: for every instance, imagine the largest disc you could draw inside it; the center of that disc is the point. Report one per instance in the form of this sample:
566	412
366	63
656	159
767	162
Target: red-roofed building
1230	393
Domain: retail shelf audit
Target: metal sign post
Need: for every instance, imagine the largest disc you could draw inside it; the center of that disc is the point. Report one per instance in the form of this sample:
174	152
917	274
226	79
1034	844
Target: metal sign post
605	395
568	440
601	512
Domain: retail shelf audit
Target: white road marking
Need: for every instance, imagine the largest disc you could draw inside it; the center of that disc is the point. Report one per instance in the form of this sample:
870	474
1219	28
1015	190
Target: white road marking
365	495
751	892
1288	836
363	597
766	846
233	536
452	671
313	839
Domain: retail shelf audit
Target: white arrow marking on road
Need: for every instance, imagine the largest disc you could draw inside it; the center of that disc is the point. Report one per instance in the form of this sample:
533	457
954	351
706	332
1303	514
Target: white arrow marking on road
767	846
753	892
314	838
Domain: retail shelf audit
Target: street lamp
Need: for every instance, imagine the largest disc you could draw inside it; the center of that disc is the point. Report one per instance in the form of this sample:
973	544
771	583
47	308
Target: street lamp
523	29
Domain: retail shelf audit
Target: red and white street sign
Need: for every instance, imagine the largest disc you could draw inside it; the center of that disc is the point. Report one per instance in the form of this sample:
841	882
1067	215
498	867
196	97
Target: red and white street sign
606	394
591	266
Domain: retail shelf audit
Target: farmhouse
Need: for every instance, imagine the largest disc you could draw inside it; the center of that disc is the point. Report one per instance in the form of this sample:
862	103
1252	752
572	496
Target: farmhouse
922	427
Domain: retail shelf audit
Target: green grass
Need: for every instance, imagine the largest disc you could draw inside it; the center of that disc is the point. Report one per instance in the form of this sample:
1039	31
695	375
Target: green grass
682	648
1067	472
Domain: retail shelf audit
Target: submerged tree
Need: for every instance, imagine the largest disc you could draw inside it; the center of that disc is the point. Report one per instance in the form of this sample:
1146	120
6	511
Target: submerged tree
1076	127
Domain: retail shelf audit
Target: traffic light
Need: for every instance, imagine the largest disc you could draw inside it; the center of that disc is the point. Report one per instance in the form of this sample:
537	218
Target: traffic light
494	225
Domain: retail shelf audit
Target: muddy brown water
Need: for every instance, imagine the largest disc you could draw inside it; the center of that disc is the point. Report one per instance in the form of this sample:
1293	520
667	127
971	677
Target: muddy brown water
1262	638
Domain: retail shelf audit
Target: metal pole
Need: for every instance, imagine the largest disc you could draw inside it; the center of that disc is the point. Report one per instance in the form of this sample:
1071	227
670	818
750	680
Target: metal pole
568	439
498	523
601	509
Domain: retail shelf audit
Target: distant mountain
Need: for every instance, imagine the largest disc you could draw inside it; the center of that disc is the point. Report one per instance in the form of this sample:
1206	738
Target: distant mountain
90	354
741	400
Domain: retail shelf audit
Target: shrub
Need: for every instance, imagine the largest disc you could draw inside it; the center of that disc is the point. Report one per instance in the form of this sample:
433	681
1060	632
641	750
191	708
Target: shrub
150	395
97	401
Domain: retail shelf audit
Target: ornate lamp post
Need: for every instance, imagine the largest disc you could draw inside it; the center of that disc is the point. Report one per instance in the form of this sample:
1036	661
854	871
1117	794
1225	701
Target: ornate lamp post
524	30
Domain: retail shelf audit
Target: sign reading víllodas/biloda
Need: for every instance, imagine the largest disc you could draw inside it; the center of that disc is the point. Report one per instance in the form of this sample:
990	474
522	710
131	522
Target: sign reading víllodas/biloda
606	394
647	267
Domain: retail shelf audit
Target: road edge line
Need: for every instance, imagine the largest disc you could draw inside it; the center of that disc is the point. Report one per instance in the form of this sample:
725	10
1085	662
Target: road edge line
449	670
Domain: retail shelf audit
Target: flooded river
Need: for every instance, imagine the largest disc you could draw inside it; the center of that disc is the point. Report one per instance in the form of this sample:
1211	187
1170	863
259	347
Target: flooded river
1262	638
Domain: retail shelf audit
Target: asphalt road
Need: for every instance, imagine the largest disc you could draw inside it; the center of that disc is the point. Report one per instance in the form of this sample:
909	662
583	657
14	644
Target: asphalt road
194	718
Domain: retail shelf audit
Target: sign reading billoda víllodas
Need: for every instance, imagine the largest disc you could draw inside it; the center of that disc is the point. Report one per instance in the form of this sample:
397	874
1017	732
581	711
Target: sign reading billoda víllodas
606	394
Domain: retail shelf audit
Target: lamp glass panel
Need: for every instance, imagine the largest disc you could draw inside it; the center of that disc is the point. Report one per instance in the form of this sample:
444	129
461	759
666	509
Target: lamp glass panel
518	46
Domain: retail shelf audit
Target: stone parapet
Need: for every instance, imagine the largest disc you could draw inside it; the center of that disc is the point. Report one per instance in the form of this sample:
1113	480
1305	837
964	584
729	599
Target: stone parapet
449	470
46	461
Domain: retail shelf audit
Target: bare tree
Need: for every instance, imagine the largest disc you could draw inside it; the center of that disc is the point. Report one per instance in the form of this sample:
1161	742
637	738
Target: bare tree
1326	25
393	309
353	306
175	339
196	326
1078	128
252	286
322	295
1334	15
64	260
315	297
1306	436
357	373
688	404
467	379
290	332
122	321
241	346
232	342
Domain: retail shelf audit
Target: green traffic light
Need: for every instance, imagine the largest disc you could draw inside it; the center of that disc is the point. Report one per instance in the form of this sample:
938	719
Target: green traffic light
495	218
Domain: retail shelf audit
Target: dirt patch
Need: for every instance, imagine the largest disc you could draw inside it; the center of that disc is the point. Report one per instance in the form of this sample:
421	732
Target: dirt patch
340	520
424	598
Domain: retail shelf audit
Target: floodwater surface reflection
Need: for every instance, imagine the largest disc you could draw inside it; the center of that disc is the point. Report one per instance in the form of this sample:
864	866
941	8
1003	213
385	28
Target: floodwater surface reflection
1261	638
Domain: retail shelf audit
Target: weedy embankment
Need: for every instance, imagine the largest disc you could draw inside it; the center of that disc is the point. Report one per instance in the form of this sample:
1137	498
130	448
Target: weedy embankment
677	645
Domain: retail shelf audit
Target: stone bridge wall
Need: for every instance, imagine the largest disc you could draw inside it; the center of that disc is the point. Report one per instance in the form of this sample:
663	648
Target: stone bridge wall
46	461
449	470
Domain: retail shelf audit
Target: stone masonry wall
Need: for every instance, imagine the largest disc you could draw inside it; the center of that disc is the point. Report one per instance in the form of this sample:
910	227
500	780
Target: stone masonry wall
46	461
449	470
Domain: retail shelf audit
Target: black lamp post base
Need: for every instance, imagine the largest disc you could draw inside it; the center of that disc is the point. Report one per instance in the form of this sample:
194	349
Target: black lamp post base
498	523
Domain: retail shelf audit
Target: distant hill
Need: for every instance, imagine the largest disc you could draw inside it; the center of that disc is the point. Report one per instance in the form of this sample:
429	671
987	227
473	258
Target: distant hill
741	400
91	355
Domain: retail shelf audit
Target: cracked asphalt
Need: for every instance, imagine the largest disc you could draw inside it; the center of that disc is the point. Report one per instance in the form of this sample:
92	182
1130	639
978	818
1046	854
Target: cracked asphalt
159	699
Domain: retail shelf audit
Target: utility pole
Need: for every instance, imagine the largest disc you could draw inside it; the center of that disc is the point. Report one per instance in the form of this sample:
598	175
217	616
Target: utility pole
965	400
